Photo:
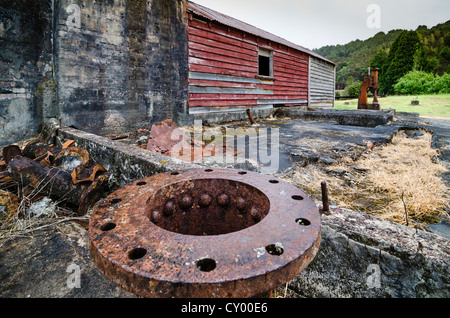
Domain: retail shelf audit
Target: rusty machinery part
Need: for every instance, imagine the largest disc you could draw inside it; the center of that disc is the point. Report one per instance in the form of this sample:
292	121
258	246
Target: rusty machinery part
11	151
204	233
370	82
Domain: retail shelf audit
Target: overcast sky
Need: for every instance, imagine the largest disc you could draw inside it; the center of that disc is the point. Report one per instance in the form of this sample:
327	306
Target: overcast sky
316	23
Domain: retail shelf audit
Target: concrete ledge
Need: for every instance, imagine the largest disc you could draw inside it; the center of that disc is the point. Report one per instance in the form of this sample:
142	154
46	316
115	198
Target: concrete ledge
224	117
125	162
363	256
365	118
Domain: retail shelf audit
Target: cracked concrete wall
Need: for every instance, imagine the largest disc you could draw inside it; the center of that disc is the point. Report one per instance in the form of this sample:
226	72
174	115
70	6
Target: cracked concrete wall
361	256
121	64
100	66
25	67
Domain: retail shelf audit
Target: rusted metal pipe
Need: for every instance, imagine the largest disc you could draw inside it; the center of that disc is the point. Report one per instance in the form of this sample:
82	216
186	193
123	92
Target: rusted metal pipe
57	183
11	151
48	180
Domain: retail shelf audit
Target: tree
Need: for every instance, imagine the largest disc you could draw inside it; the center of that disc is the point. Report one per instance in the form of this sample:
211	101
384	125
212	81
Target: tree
406	54
445	53
420	58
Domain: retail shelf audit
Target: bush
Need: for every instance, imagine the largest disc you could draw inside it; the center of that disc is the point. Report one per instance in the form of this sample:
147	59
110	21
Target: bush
414	83
440	85
352	89
419	82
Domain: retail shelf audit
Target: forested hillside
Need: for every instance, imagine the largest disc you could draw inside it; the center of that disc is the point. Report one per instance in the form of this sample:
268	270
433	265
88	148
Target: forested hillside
424	49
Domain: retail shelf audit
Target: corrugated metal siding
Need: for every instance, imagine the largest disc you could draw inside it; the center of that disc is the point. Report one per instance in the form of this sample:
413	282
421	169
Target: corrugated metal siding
321	83
223	64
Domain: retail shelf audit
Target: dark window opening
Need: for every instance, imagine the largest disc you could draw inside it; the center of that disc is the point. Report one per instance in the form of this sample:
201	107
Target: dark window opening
264	66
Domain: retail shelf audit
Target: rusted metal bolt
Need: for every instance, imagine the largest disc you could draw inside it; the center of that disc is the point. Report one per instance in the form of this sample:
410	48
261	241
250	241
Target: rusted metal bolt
223	199
205	199
156	216
240	204
255	213
186	201
169	208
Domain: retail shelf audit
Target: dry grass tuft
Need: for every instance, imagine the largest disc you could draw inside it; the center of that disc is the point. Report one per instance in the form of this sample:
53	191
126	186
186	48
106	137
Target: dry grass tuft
399	175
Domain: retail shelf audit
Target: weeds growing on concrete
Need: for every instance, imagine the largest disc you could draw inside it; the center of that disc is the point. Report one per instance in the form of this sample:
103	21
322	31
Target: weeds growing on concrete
399	181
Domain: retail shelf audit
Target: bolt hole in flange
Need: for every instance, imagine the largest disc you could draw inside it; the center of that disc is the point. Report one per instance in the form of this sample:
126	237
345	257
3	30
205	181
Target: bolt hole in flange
274	249
303	222
141	183
116	200
108	226
137	253
206	264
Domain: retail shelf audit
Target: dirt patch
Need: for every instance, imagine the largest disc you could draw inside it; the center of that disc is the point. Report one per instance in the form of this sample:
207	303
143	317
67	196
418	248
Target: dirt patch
400	181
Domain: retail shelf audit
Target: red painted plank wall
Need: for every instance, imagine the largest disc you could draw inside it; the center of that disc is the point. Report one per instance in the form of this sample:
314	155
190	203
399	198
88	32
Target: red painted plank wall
223	64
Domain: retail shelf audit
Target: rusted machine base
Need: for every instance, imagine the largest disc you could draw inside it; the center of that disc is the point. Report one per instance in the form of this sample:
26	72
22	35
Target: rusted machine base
204	233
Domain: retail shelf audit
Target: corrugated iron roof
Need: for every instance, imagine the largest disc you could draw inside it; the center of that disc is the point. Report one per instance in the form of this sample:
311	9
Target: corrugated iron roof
240	25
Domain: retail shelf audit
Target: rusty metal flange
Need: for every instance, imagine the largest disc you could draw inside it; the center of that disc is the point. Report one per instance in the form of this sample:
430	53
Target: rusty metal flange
204	233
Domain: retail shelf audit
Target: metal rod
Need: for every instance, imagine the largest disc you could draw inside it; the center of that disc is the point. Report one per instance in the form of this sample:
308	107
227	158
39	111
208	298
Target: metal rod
250	116
325	201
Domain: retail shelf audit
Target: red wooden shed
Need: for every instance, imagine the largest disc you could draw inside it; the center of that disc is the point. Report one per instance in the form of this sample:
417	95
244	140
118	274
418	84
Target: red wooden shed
234	66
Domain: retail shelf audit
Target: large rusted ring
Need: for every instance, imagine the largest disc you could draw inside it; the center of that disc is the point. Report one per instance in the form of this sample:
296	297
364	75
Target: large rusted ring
204	233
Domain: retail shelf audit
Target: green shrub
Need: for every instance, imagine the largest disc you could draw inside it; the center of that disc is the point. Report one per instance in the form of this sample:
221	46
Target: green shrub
419	82
440	85
352	89
414	83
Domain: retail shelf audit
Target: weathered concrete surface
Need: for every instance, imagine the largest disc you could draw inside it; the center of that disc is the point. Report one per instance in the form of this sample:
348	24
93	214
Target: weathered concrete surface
441	140
364	256
223	117
45	264
306	141
97	65
25	67
125	65
367	118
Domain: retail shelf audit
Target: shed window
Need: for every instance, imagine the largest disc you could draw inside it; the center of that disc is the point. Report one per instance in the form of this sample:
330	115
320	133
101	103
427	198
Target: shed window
265	61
